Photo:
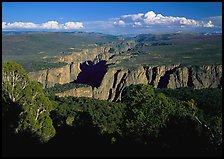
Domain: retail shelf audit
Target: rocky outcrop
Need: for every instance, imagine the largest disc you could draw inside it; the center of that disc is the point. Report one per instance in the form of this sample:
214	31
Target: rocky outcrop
62	75
77	92
40	76
191	76
91	54
70	72
116	79
157	75
207	77
90	66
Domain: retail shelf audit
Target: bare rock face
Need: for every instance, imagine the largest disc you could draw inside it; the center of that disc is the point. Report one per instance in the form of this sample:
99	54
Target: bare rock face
197	77
74	71
91	54
179	78
137	76
206	76
115	80
58	75
53	76
102	56
39	76
157	75
77	92
102	92
70	72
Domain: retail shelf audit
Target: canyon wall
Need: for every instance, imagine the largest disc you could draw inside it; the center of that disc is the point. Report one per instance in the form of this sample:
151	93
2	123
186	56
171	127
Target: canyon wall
77	92
117	78
71	70
62	75
92	66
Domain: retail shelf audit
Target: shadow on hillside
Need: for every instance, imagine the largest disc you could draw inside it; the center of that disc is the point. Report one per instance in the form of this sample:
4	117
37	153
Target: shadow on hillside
92	74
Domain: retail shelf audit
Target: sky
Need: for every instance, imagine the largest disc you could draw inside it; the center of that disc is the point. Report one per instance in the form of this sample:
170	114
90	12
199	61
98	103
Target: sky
113	17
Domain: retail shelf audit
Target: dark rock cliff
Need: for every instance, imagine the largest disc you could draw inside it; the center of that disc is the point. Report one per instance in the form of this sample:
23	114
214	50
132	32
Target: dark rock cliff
174	76
108	82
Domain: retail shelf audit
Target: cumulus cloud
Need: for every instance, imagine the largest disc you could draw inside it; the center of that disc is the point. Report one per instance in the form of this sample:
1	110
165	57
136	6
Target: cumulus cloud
150	16
73	25
47	25
209	24
137	23
216	22
129	23
120	22
152	19
133	16
26	25
50	25
3	24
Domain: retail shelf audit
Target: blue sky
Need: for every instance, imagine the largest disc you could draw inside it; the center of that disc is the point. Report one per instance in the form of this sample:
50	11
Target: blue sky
113	17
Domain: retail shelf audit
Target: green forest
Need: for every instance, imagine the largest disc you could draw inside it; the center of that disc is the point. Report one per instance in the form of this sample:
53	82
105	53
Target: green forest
145	122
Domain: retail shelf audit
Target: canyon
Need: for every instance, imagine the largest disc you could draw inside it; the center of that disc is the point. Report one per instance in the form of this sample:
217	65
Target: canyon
98	68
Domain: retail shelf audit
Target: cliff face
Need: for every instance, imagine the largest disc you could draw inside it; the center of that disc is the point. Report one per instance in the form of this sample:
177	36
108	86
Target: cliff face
53	76
157	76
70	72
98	53
40	76
77	92
197	77
207	77
116	79
90	66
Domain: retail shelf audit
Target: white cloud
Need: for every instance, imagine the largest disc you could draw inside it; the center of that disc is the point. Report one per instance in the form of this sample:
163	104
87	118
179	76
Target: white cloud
151	18
50	25
3	24
137	23
150	21
47	25
216	20
120	22
209	24
188	21
26	25
150	15
73	25
133	16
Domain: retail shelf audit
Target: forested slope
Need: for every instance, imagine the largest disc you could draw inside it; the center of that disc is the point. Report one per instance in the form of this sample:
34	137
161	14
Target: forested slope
147	121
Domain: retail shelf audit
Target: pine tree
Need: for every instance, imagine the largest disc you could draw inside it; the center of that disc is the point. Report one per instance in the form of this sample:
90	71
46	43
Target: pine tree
28	96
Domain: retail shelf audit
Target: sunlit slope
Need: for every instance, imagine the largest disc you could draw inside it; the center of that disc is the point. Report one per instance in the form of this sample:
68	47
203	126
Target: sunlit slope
185	49
29	43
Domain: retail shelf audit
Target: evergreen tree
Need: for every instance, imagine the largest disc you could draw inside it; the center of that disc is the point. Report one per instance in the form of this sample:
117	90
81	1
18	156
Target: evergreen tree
27	97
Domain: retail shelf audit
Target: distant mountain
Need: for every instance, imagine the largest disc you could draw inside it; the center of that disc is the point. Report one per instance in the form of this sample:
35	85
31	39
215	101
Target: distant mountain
26	43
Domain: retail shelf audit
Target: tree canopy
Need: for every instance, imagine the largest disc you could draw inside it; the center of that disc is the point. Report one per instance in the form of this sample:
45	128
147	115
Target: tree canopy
34	107
145	115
